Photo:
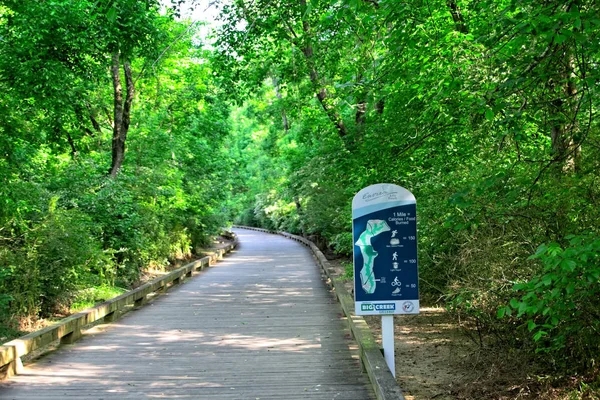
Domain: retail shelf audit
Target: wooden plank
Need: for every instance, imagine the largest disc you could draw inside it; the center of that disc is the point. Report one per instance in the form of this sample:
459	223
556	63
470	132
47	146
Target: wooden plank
261	322
385	385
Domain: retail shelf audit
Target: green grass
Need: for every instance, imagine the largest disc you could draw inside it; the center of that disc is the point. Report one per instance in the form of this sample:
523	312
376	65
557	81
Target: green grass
89	297
348	270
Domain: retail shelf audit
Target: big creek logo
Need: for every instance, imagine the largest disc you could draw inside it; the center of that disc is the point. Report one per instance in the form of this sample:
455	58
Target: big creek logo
381	307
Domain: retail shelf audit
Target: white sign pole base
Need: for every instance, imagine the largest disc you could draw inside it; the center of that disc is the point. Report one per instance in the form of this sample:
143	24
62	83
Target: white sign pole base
387	339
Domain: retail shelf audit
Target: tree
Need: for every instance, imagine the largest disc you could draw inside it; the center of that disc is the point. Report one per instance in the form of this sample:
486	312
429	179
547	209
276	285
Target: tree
65	225
485	110
67	50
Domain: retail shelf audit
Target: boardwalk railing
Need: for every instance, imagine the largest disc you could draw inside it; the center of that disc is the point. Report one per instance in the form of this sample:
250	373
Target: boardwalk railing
68	330
382	380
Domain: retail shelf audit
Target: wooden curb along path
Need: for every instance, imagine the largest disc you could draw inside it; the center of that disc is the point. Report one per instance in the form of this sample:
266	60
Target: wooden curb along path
261	324
69	329
384	383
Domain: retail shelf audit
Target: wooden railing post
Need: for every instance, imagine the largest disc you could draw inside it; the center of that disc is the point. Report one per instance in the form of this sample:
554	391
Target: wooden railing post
15	367
72	337
140	302
110	317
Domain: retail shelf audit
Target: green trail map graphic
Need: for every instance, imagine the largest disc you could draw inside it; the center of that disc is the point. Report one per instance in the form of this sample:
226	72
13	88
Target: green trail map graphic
367	276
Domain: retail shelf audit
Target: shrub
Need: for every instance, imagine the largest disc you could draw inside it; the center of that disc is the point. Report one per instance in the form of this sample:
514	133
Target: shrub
561	303
57	256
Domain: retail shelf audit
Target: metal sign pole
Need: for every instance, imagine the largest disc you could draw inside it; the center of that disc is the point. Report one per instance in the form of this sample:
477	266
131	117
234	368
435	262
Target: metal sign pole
387	339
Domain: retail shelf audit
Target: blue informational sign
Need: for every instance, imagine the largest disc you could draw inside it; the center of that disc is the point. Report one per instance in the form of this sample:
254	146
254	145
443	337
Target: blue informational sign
384	225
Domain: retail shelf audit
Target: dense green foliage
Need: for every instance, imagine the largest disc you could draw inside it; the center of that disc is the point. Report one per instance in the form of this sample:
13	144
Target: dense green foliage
485	110
65	225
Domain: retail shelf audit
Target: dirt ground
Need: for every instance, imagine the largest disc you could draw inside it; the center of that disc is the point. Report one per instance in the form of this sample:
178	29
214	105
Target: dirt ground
436	360
427	347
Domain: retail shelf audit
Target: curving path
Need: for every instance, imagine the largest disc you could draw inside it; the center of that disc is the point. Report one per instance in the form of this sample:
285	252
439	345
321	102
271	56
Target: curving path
258	325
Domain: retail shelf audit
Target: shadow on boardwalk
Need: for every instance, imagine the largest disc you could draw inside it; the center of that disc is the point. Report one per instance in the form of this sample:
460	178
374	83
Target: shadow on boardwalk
259	325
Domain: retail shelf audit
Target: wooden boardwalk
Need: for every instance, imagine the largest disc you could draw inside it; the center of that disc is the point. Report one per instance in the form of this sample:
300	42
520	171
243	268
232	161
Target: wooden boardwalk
258	325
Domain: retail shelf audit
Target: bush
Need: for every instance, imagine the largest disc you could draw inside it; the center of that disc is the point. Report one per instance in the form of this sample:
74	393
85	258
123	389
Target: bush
58	255
91	296
561	303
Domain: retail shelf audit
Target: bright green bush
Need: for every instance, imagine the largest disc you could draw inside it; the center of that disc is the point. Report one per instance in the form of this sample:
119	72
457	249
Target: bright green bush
561	304
90	296
57	256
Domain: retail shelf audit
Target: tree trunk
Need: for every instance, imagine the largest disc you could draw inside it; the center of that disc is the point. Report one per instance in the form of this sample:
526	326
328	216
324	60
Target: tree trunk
379	106
108	115
58	129
118	142
375	3
121	112
128	100
286	125
457	17
304	44
573	158
81	120
299	211
93	119
566	145
360	117
72	144
322	94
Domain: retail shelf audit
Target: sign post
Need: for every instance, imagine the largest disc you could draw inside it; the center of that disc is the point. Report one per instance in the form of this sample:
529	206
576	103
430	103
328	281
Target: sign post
386	280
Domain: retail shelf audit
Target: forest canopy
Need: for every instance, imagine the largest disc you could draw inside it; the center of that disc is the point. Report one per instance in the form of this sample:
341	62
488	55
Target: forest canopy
127	142
111	133
486	111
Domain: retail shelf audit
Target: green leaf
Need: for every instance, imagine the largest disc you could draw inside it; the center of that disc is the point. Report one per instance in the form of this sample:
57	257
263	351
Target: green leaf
540	250
111	14
558	38
539	335
568	265
547	280
489	115
514	303
502	311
